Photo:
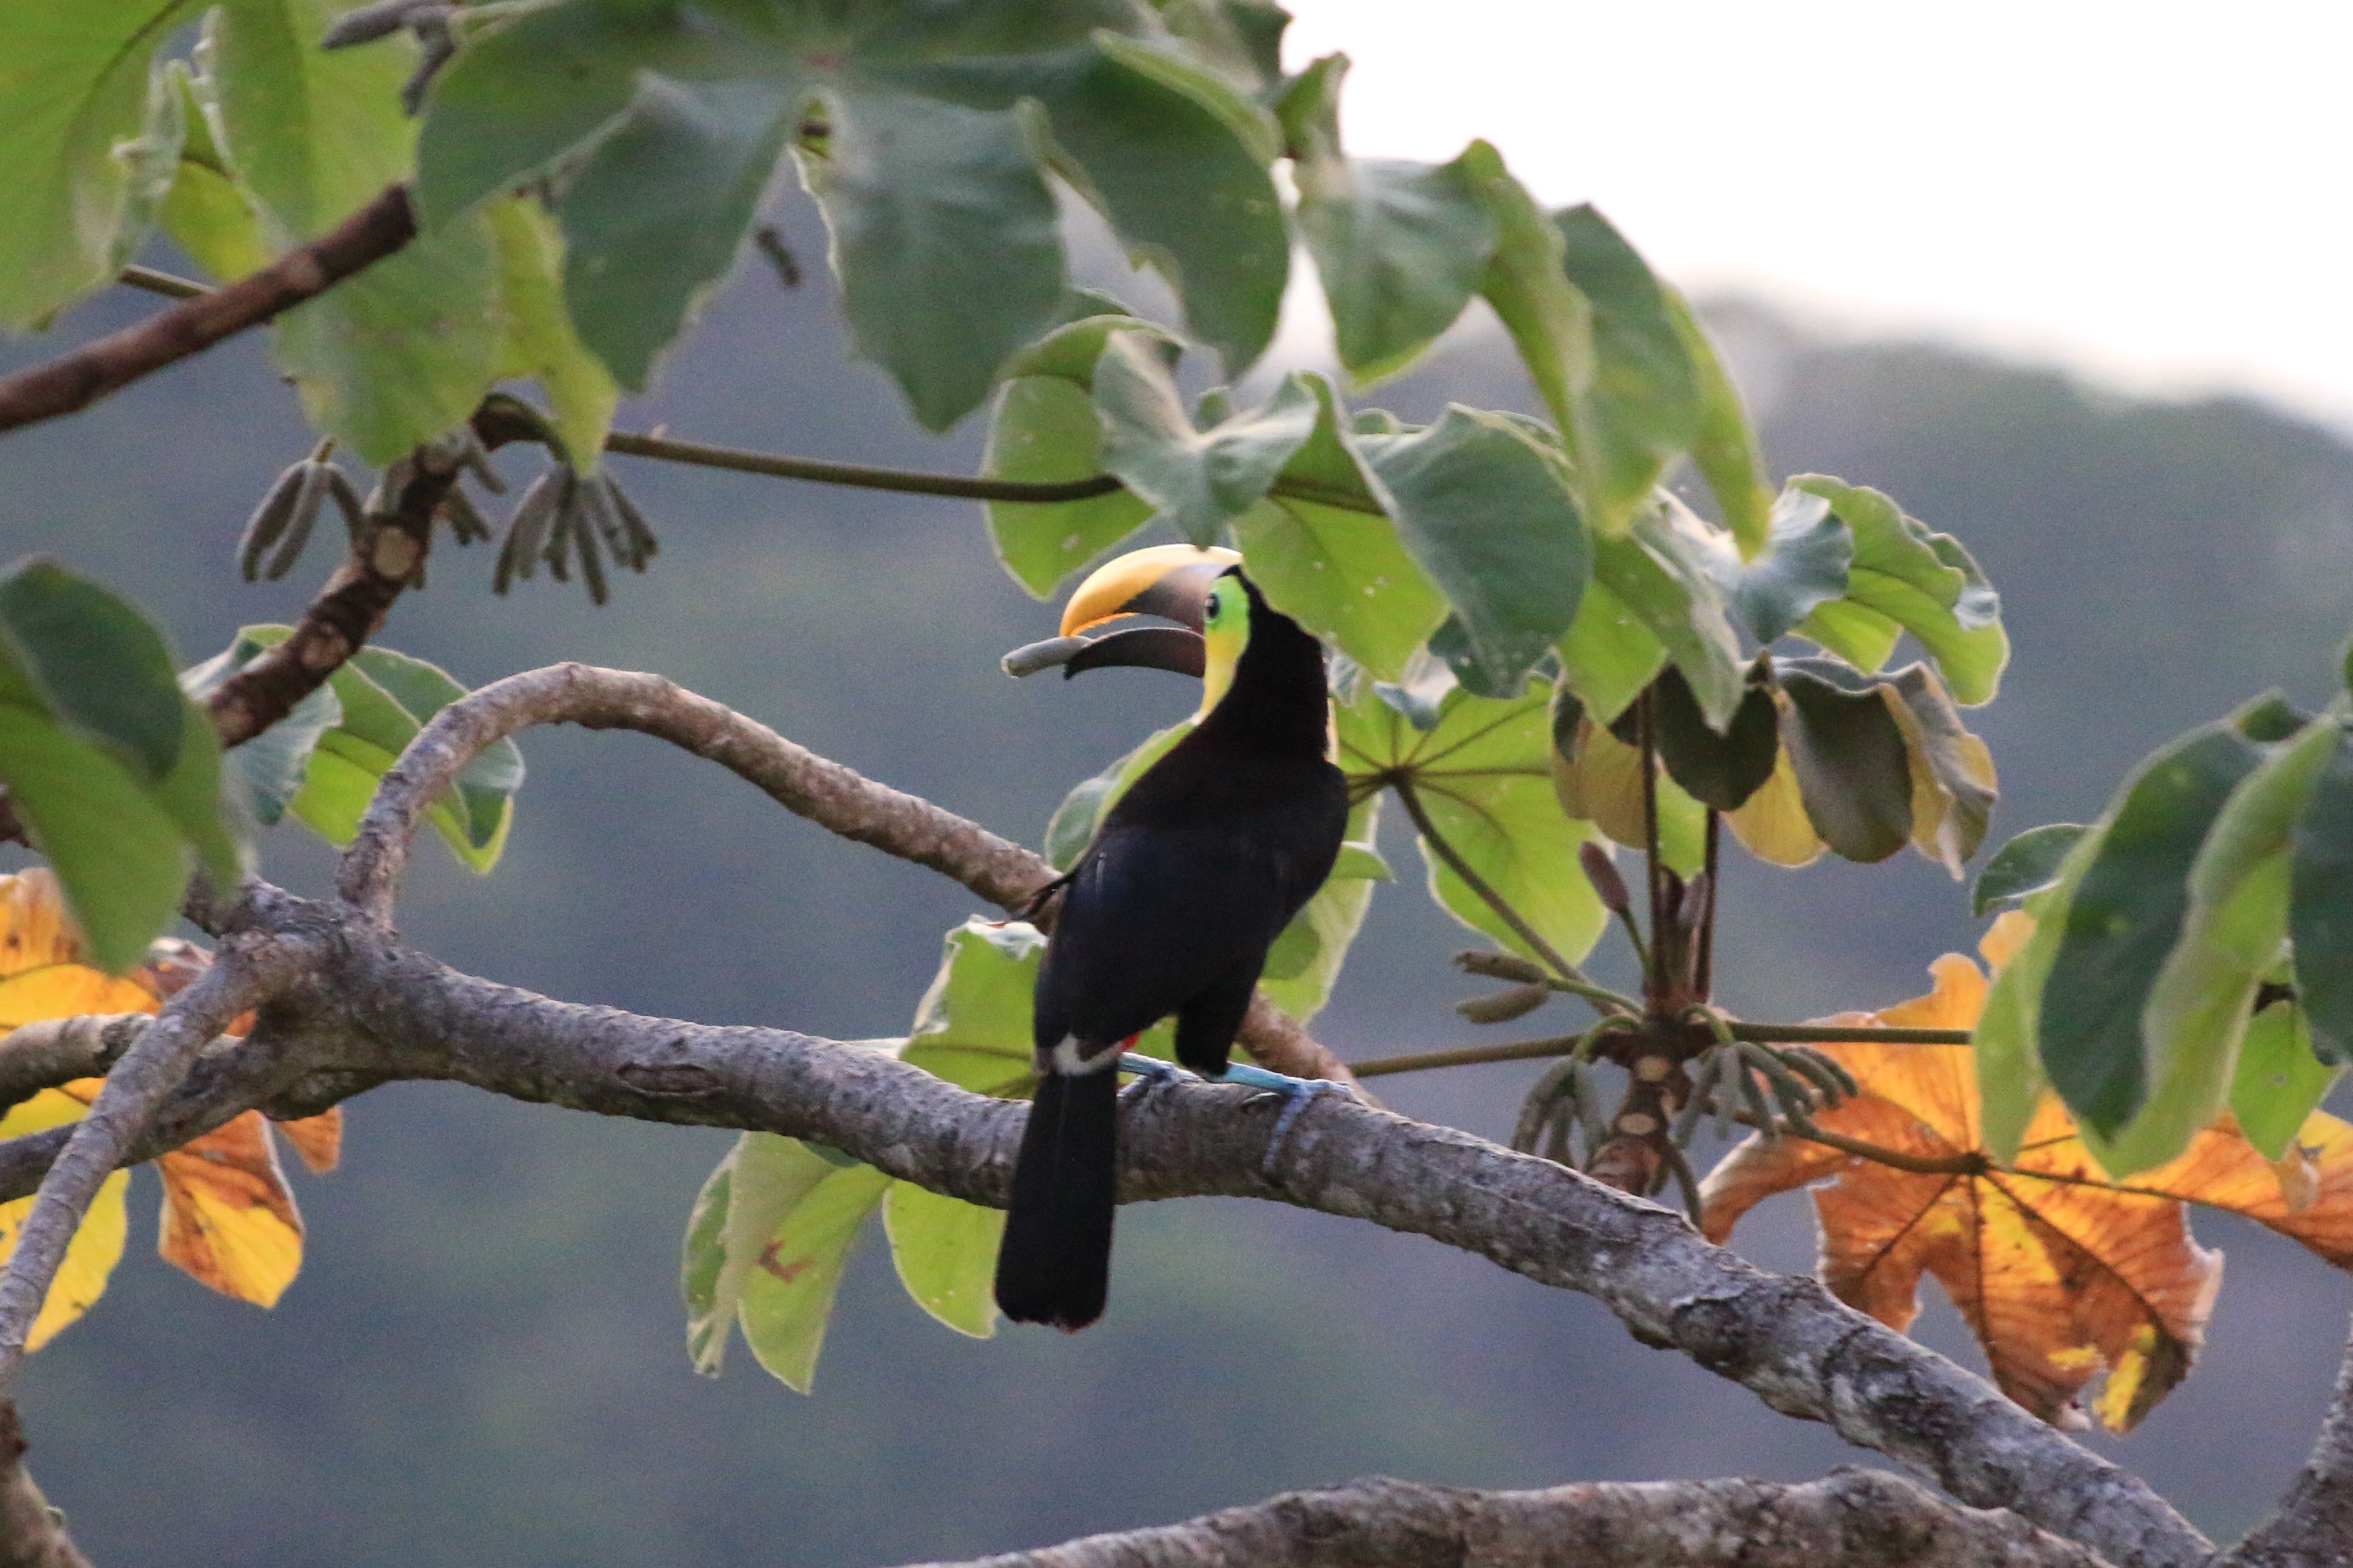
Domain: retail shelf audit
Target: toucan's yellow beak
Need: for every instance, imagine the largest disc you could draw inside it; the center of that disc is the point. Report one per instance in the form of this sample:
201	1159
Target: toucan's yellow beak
1168	580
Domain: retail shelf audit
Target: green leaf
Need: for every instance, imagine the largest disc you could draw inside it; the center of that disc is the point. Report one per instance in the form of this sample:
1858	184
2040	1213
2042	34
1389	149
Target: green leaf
1853	769
924	199
1608	655
90	131
2320	906
787	1292
972	1028
2124	917
207	213
1905	578
537	337
2233	931
1322	548
920	130
742	1203
400	353
2025	865
386	697
945	1251
2006	1042
1177	161
96	664
1642	407
1044	430
1400	247
1196	480
1487	515
1657	575
1305	962
1072	825
1484	776
1725	449
1549	322
1721	771
2280	1082
114	771
1803	564
270	769
316	134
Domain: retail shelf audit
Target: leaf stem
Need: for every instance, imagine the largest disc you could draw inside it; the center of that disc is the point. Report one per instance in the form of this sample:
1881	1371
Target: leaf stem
1656	979
1830	1033
1703	962
1469	1056
857	476
1571	978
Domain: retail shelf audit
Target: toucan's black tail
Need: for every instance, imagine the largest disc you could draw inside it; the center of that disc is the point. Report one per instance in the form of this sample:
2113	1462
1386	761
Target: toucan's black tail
1055	1265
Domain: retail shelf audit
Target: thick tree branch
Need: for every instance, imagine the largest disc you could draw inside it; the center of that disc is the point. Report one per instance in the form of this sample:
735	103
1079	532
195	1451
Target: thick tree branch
368	1011
2313	1526
1852	1518
249	971
834	797
32	1533
74	381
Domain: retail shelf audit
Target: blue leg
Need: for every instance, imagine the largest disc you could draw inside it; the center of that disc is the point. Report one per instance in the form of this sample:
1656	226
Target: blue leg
1296	1093
1151	1072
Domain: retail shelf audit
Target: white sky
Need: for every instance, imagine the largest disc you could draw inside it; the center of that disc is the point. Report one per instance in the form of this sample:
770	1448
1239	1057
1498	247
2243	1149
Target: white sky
2155	194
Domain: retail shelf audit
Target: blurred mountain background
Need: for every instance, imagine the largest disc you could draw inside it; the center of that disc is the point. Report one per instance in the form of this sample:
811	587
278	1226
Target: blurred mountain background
483	1359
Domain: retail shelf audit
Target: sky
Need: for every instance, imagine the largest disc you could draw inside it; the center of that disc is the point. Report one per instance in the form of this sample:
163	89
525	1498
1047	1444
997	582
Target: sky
2153	193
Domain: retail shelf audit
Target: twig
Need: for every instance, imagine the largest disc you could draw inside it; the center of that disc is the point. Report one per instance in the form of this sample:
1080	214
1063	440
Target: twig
246	973
834	797
75	380
1704	965
1572	979
1619	1524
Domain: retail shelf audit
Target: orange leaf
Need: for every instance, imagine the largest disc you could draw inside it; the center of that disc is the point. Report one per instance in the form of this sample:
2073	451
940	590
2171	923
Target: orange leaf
319	1140
229	1219
2060	1272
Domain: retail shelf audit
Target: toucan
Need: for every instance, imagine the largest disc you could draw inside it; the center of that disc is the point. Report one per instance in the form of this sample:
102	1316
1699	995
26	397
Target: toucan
1190	877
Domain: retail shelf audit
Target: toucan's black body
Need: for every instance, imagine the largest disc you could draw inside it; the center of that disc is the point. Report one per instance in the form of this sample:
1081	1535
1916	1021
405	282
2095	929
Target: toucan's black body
1191	876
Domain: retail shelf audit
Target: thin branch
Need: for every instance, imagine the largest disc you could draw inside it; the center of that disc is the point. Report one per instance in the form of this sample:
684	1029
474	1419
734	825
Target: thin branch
32	1533
369	1011
834	797
857	476
171	285
1851	1518
1469	1056
1572	979
74	381
247	973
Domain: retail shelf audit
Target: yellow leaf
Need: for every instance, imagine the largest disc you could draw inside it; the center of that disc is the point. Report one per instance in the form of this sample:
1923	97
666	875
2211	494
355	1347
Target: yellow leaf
229	1219
65	991
96	1247
34	929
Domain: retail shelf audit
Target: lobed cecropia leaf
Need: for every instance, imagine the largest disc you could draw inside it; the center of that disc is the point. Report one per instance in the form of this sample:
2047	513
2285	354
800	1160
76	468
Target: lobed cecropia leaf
1659	602
2280	1082
1195	480
1807	552
1483	774
113	770
2023	867
925	134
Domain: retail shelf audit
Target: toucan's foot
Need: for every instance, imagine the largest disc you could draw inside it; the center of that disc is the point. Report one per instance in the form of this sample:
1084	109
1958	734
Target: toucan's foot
1151	1073
1296	1093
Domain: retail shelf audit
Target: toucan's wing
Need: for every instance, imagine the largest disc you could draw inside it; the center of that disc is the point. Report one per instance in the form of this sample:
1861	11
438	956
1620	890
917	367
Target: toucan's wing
1152	915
